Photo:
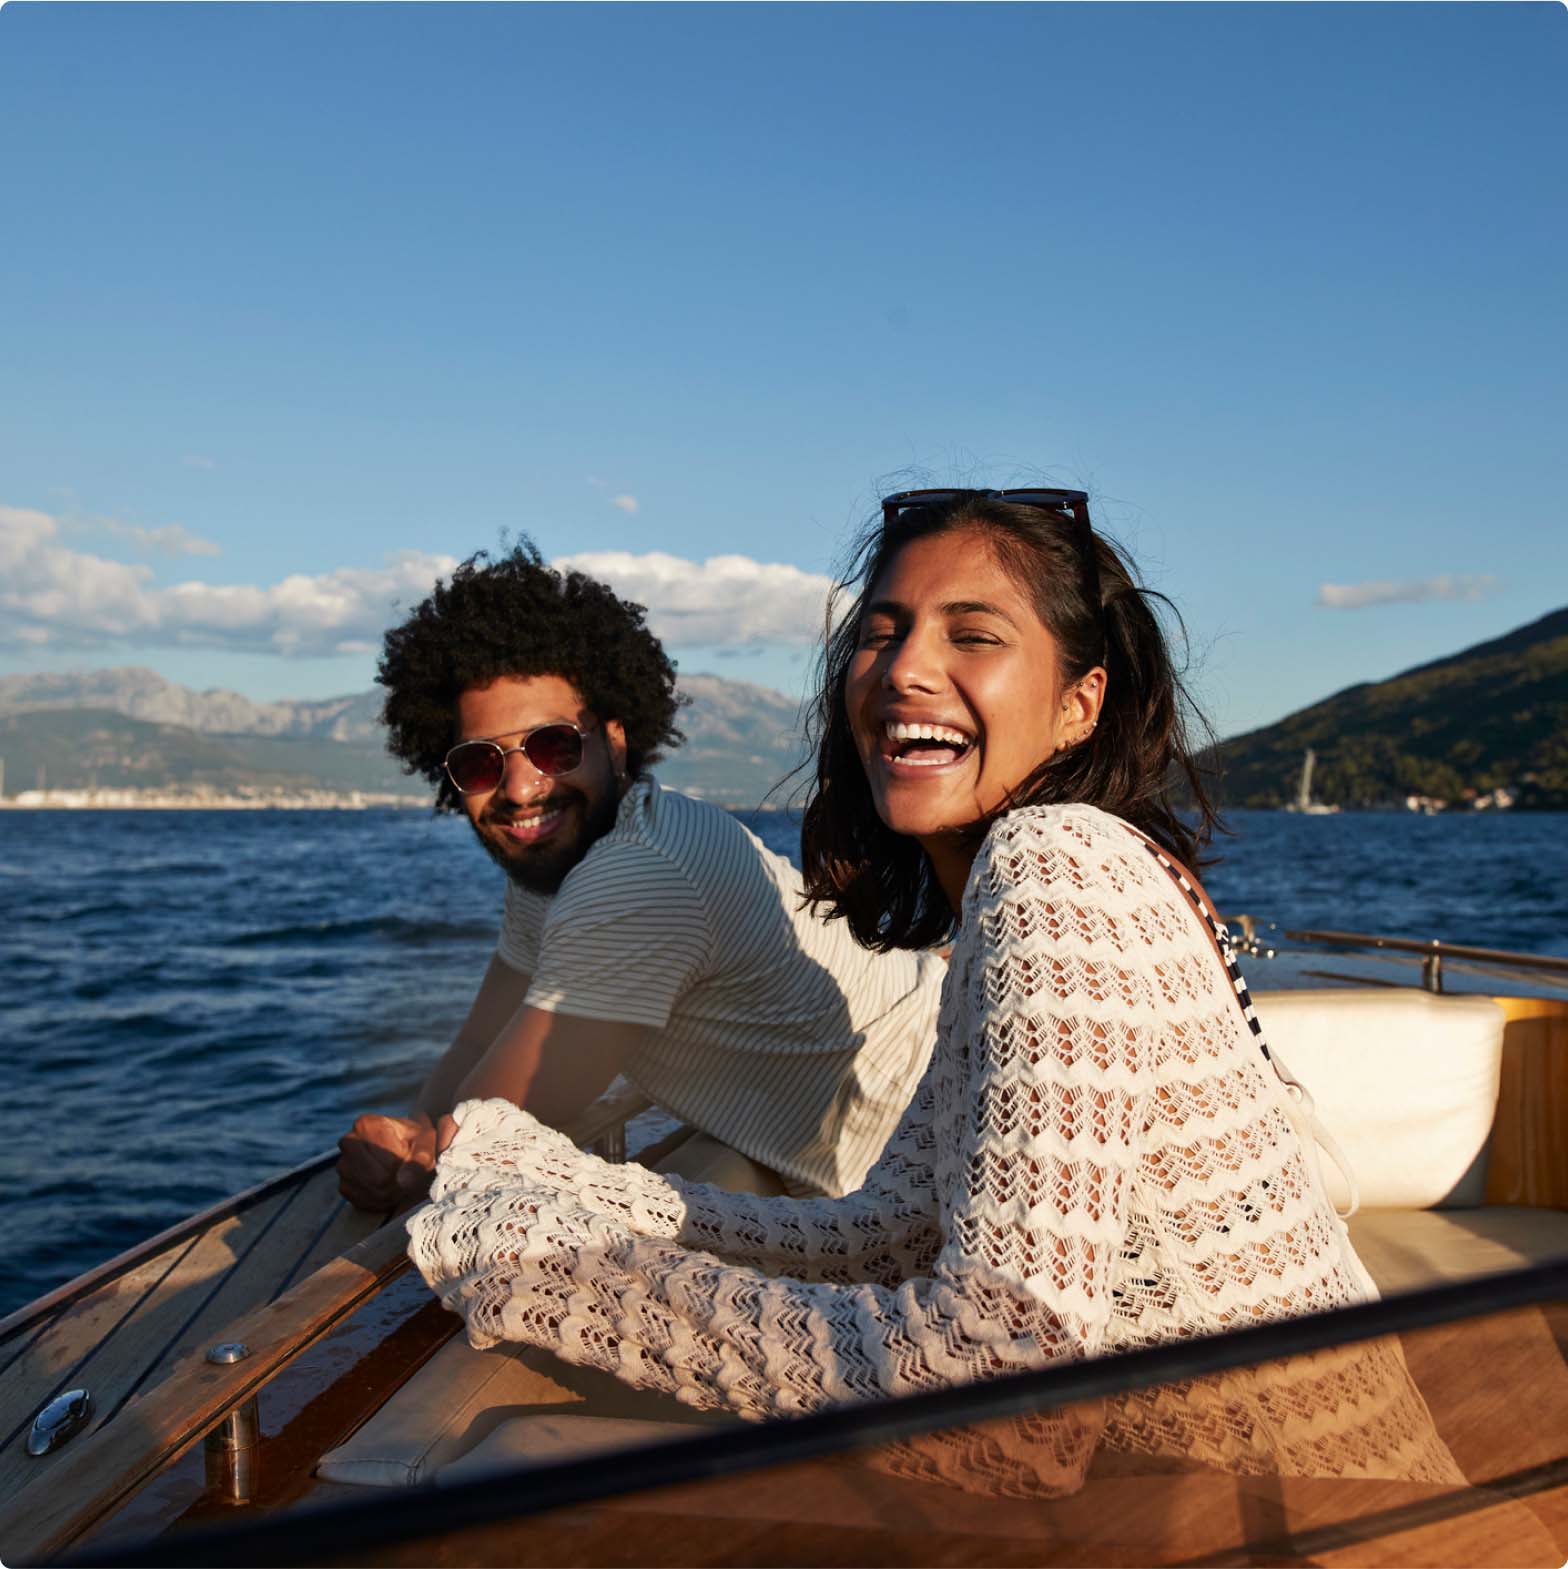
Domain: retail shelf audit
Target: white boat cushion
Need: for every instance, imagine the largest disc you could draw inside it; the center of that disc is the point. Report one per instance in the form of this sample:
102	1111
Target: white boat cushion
1405	1081
500	1406
440	1412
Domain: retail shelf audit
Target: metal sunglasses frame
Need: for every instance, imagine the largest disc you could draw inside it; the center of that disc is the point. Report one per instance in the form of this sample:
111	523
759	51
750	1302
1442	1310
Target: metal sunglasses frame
1074	503
506	751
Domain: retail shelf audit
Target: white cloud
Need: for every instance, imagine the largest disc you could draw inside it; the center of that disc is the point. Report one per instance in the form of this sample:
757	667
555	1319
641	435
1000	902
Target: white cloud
625	503
170	540
54	596
727	601
1358	596
194	460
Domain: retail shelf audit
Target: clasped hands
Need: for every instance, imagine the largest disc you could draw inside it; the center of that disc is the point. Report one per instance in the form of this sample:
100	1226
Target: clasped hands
389	1162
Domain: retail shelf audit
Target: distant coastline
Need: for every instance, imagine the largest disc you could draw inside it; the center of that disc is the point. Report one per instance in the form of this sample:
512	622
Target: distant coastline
199	800
258	800
126	739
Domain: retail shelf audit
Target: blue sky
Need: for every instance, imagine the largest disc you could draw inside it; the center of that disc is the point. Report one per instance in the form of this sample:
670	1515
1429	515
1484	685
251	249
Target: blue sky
299	304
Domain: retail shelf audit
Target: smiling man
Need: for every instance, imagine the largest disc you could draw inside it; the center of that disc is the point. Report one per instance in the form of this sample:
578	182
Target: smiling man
644	932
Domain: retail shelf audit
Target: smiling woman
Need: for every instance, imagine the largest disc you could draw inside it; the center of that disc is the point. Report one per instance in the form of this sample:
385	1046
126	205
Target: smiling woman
1102	1155
955	694
1004	619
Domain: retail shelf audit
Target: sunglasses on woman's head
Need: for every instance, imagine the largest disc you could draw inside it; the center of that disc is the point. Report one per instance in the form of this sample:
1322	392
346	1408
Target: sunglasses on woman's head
1072	504
554	749
1075	503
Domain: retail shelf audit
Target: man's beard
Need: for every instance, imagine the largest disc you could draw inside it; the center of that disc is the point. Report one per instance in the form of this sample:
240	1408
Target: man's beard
542	868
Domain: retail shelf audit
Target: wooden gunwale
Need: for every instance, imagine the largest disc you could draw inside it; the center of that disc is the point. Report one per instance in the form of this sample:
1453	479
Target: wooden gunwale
63	1296
593	1124
169	1337
194	1398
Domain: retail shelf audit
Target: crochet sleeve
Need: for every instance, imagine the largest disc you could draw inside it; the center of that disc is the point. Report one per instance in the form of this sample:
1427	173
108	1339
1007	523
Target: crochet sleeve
1039	1084
886	1230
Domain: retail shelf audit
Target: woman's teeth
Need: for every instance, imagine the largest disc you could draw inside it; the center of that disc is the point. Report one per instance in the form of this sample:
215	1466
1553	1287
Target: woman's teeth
925	746
903	732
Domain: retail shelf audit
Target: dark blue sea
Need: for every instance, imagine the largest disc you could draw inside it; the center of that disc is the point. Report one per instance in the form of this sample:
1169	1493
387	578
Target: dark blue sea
192	1001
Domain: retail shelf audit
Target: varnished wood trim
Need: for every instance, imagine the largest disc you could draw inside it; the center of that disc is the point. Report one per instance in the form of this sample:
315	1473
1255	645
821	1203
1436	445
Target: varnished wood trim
46	1324
605	1113
1529	1156
196	1395
63	1296
203	1305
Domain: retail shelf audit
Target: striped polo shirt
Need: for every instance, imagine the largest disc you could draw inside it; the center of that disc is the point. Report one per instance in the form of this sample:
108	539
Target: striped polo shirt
770	1030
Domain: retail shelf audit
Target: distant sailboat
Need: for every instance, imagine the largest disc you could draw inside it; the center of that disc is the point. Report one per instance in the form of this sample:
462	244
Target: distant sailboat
1304	801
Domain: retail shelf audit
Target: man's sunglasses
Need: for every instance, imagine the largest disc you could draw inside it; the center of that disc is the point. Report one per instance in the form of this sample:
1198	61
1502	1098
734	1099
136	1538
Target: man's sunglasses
476	766
1075	503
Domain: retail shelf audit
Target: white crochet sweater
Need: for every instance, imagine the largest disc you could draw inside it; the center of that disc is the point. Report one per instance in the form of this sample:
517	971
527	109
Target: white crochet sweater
1098	1158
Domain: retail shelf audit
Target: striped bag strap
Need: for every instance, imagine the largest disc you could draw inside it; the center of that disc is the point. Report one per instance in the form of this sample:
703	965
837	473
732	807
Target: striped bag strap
1294	1087
1227	949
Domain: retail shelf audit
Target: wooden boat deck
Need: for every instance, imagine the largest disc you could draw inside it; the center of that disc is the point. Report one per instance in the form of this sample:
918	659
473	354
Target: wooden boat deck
120	1330
287	1267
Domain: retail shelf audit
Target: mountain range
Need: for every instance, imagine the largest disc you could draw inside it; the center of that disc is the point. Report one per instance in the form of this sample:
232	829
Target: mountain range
1492	715
131	728
139	693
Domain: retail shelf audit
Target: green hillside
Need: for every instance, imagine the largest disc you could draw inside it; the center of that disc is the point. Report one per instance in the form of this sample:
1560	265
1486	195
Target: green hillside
1495	714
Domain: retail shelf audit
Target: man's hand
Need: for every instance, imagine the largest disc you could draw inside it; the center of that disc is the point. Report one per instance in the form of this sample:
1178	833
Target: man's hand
386	1162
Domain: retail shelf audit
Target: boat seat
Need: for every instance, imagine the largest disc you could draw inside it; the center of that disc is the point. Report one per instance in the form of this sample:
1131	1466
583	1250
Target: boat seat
1406	1081
468	1411
1406	1249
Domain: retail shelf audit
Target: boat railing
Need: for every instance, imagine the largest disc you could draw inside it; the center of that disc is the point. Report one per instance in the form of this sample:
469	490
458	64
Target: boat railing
1432	953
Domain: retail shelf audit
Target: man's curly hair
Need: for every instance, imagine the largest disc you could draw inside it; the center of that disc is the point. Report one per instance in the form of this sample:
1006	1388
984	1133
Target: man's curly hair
515	616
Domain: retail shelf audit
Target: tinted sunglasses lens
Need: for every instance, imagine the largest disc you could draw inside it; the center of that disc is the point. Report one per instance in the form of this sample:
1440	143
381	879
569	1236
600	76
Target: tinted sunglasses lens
475	765
894	507
554	749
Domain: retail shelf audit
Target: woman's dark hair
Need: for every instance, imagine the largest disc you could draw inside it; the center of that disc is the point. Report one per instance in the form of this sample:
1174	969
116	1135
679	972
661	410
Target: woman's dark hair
515	616
1132	764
